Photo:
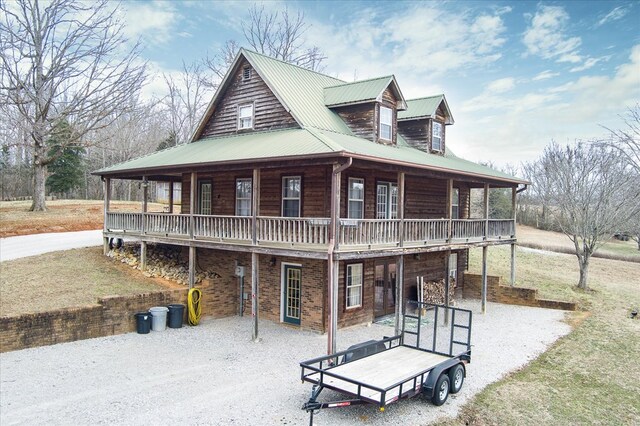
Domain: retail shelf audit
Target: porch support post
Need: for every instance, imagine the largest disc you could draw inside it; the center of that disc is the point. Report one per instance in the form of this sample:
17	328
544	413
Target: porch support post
484	280
447	284
399	292
255	205
171	197
192	203
192	266
449	210
401	207
107	201
143	244
513	245
486	211
255	302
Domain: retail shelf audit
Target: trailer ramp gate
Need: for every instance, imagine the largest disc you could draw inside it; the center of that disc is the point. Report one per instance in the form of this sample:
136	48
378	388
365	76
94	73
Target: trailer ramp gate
434	338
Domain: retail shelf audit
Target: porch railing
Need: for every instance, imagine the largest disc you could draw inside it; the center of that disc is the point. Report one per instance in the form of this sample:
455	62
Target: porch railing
310	231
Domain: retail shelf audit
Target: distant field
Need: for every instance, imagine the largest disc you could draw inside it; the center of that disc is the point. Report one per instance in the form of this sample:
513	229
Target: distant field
557	241
62	216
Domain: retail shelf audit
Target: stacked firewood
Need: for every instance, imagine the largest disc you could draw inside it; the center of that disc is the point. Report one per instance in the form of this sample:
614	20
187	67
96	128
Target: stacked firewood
433	291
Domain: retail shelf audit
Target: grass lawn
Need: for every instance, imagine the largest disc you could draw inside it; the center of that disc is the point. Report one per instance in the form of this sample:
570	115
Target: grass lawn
62	216
65	279
592	375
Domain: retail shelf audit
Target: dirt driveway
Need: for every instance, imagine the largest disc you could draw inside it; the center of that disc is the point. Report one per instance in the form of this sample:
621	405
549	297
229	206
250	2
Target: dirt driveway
213	374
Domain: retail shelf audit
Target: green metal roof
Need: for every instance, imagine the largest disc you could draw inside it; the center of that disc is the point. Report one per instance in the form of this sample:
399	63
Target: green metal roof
423	108
356	92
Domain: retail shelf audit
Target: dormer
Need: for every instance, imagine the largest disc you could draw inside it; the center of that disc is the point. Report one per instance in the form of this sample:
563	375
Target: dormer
368	107
423	123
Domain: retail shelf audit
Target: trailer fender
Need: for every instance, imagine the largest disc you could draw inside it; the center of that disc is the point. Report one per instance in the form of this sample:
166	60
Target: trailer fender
430	383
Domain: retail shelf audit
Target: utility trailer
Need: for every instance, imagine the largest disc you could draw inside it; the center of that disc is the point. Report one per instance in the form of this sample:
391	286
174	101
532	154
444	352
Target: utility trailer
428	357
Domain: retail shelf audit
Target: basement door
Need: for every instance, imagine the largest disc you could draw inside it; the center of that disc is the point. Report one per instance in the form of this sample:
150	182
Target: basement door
292	289
384	297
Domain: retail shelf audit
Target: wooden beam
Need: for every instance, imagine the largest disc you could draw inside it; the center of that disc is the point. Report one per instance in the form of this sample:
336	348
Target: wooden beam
484	280
401	184
171	197
513	264
255	301
107	201
143	255
192	267
486	211
514	193
255	205
192	203
450	208
447	284
399	293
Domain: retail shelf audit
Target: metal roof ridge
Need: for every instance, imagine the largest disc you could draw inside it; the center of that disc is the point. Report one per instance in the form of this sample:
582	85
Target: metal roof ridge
390	76
259	132
425	97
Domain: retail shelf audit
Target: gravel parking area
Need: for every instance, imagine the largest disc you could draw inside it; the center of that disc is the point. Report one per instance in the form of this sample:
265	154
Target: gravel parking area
214	374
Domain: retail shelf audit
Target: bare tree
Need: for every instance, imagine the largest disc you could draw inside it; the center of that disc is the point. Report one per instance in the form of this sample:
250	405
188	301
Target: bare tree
588	190
64	60
627	140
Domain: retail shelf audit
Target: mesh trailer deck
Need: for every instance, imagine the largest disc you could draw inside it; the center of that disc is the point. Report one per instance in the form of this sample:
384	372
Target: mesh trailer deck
428	357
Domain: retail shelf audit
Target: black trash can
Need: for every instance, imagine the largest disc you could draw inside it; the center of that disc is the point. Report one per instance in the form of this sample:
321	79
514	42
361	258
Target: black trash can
143	322
176	314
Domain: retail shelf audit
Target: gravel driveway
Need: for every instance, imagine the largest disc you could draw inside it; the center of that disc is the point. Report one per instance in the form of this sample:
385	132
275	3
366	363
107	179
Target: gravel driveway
214	374
32	245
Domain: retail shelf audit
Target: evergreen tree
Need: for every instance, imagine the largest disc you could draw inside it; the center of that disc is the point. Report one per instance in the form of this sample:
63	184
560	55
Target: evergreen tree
66	170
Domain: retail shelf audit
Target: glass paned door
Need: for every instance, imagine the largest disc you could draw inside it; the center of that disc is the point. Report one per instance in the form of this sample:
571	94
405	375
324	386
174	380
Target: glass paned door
292	291
385	288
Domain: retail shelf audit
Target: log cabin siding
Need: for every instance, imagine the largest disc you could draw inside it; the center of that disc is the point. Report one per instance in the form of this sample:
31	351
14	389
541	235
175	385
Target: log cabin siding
416	133
425	198
361	119
269	114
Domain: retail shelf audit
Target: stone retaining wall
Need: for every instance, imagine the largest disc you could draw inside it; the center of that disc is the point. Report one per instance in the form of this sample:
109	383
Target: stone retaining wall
496	292
111	315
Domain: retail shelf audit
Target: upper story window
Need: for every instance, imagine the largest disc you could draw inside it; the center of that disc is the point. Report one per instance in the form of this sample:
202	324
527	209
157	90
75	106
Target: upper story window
291	192
245	116
386	123
243	197
436	136
455	204
356	198
386	200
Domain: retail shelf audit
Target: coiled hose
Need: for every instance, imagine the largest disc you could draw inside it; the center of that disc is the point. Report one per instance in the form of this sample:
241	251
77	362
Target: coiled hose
194	306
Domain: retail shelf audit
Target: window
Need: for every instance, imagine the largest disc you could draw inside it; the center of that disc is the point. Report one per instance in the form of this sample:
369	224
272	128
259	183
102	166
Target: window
204	206
436	136
455	204
243	197
246	73
245	116
356	198
387	201
354	285
291	190
386	123
453	266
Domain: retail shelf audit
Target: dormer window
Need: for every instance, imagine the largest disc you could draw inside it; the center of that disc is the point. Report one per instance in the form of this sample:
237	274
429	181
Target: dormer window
436	136
246	73
245	116
386	123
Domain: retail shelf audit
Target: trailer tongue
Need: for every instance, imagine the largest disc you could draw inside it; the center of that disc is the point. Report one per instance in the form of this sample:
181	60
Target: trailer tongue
429	357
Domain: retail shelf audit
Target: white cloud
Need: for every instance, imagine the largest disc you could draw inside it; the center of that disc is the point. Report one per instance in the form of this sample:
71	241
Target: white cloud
154	22
617	13
589	63
545	37
502	85
519	127
545	75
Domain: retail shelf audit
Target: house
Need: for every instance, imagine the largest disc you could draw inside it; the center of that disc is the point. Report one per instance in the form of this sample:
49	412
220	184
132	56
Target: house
331	197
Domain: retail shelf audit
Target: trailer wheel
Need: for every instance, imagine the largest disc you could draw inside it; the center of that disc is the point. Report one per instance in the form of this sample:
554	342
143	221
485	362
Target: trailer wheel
456	378
441	391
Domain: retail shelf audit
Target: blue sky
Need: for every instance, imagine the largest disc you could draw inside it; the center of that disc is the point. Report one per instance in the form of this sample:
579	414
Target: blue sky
516	74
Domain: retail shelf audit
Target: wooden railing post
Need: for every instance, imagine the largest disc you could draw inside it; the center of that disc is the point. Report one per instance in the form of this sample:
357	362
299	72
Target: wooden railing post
486	210
255	206
171	197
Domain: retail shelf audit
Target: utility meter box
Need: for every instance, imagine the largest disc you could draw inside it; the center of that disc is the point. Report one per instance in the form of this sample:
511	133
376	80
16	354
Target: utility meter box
239	271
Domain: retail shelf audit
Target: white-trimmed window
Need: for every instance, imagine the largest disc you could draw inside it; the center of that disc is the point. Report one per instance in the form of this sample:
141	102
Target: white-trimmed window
245	116
243	197
386	200
356	198
291	192
354	285
453	266
455	204
386	123
436	136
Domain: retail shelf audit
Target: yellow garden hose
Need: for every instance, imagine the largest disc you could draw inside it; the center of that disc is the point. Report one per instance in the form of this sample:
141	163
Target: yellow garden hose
195	308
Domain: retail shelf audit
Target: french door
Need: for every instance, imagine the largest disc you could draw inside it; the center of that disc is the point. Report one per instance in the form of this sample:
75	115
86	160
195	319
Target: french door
292	290
385	288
